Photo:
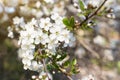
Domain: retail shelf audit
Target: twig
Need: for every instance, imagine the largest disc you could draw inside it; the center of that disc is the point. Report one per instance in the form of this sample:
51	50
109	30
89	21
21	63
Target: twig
44	64
45	69
65	73
60	69
96	12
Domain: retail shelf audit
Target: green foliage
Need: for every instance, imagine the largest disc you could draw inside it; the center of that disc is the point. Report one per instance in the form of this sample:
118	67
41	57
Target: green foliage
74	62
81	4
73	69
69	23
85	27
50	67
66	21
66	64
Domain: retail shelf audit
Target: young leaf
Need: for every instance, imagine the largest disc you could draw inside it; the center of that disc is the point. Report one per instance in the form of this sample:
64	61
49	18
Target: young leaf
66	21
74	62
50	67
72	21
81	4
67	64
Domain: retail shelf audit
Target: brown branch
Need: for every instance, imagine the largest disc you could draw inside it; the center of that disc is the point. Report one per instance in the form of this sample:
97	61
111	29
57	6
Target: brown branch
45	69
61	69
44	64
93	14
65	73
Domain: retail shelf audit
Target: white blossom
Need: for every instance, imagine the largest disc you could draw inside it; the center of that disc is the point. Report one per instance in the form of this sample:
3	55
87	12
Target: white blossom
45	23
18	20
10	32
43	74
49	32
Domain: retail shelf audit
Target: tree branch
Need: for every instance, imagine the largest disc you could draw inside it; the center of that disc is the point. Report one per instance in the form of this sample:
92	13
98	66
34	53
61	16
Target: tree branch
93	14
45	69
61	69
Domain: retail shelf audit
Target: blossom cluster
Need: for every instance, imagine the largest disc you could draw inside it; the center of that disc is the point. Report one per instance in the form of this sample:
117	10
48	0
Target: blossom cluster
48	32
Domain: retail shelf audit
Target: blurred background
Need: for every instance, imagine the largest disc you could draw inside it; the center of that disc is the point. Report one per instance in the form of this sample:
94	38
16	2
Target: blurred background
97	51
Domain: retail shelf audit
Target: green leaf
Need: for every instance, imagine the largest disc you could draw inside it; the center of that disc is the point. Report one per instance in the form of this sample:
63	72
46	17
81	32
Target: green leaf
67	64
75	71
35	54
74	62
50	66
81	4
69	23
66	21
56	66
72	21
